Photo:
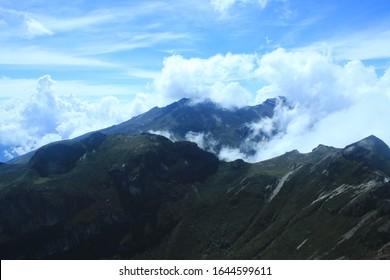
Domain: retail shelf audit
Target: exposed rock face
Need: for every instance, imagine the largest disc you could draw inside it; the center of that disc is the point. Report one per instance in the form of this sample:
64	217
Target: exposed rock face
146	197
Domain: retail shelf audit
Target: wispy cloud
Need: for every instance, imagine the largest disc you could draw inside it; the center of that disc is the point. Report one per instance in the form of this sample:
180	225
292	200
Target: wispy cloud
222	6
369	44
16	87
126	42
35	28
78	19
362	45
142	73
34	55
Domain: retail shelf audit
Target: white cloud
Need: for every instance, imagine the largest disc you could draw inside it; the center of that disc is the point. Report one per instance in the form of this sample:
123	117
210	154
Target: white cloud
23	88
230	154
131	42
329	103
332	104
33	55
15	87
143	73
309	78
43	117
63	20
368	44
204	141
217	78
362	45
36	28
222	6
230	95
164	133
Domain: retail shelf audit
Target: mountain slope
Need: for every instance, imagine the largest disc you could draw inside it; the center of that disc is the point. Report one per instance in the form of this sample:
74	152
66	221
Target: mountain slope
146	197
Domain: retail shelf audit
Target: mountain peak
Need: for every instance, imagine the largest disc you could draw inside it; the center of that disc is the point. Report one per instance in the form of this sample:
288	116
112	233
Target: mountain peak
368	148
182	102
276	100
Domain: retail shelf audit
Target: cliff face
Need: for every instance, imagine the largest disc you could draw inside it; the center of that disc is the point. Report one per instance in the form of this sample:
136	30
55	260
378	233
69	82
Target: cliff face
146	197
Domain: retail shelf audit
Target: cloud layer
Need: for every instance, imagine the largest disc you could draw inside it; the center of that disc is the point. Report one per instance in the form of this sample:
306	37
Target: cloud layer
27	124
219	78
330	103
333	104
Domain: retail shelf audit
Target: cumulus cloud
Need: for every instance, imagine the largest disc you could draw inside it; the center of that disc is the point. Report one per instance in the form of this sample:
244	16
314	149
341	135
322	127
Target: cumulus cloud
330	103
44	117
217	78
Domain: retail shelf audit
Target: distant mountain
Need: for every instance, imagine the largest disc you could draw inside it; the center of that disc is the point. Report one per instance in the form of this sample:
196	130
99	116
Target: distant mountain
146	197
186	119
206	123
185	115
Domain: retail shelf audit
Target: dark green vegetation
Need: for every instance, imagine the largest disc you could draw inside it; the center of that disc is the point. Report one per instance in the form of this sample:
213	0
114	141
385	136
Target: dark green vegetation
145	197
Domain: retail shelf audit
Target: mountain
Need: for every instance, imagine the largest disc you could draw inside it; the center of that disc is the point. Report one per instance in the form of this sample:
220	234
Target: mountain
185	115
111	196
206	123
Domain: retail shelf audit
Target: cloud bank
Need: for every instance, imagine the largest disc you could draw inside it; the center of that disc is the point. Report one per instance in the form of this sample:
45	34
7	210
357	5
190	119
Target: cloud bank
44	117
333	104
217	78
330	103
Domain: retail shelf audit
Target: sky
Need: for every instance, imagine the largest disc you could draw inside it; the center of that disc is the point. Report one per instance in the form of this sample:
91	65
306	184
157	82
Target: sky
67	68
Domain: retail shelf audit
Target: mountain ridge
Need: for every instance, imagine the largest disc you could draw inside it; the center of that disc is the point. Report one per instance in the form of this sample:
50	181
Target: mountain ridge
146	197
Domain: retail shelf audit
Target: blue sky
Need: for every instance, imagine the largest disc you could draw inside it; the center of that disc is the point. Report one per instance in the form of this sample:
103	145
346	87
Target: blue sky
125	43
127	56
